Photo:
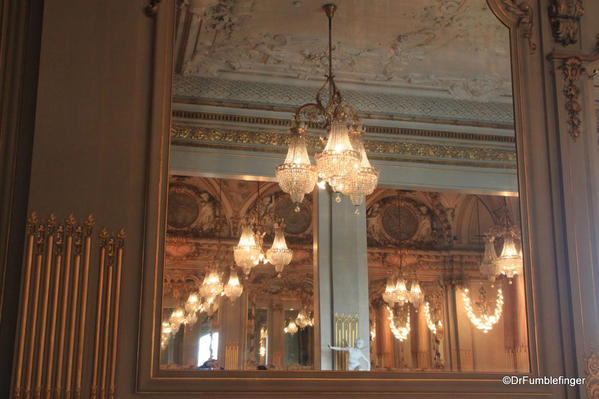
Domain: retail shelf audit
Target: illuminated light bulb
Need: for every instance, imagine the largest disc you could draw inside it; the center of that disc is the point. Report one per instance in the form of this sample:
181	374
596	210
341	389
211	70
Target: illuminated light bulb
247	252
233	289
416	295
278	254
212	286
291	328
193	303
509	262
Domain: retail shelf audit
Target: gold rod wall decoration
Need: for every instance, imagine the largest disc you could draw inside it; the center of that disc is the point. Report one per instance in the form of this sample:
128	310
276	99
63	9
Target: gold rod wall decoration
24	310
107	315
89	223
73	313
69	230
104	249
58	242
40	242
48	309
51	225
49	360
117	302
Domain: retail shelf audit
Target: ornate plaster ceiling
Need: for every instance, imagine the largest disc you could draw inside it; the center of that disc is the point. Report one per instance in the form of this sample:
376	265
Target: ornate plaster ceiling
447	48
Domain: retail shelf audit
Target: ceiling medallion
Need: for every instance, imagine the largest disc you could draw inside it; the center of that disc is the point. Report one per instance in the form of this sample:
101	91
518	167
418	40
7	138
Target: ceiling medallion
343	163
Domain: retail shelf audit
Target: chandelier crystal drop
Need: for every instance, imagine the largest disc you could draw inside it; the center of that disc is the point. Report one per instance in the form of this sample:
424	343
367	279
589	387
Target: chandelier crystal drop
509	262
487	319
297	176
278	254
247	252
233	289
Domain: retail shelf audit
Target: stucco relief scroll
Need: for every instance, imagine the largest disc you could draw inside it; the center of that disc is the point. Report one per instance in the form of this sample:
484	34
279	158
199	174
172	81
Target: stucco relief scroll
565	18
524	14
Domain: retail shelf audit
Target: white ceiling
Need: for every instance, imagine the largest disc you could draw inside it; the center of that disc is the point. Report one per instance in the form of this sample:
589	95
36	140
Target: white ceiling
444	48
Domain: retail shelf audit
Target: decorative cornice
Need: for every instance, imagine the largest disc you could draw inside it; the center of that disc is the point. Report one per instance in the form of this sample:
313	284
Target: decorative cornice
381	150
284	123
572	68
565	19
523	12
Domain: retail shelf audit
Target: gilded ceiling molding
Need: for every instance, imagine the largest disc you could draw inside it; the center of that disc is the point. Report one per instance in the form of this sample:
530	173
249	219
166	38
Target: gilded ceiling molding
523	13
592	375
151	9
572	68
285	123
565	19
185	135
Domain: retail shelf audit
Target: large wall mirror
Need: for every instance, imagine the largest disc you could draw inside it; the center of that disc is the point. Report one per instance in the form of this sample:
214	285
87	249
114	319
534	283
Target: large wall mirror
419	268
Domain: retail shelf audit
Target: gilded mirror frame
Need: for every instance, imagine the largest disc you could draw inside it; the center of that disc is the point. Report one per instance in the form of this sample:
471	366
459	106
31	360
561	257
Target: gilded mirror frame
535	181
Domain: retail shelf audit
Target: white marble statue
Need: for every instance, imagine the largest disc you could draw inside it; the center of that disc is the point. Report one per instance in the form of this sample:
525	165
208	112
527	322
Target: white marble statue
355	356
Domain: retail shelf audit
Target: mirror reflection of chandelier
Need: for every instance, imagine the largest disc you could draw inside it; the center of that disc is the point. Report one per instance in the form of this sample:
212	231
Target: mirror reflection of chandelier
343	163
291	328
303	320
278	254
488	315
509	262
249	252
399	322
233	289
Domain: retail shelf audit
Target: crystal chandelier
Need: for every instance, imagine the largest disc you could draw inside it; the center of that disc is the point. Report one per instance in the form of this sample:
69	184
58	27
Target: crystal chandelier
291	328
400	332
233	289
488	318
488	266
193	303
363	179
247	252
278	254
303	320
509	263
397	292
212	286
343	163
297	176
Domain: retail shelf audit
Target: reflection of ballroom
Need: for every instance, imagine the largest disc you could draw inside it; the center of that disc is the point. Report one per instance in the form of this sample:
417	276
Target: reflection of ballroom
291	199
436	239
